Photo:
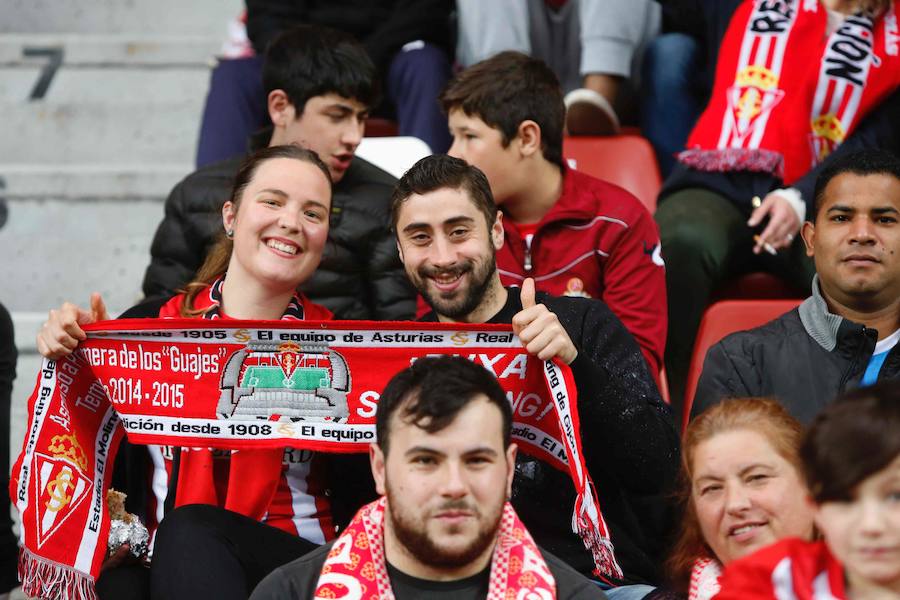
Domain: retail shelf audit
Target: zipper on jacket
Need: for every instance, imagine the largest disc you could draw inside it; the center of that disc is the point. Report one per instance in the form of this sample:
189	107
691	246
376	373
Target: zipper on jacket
528	239
854	365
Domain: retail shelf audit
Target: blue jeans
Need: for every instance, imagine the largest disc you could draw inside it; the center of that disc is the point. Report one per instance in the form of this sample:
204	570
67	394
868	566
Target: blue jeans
669	103
626	592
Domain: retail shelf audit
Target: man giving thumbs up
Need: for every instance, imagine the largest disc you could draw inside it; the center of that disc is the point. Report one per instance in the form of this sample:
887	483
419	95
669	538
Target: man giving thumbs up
448	232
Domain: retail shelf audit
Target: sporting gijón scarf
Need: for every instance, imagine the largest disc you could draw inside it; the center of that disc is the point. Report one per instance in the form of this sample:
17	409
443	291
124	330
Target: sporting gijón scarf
249	385
356	567
786	94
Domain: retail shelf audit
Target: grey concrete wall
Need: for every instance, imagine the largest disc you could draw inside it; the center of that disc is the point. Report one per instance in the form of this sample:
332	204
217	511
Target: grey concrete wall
85	168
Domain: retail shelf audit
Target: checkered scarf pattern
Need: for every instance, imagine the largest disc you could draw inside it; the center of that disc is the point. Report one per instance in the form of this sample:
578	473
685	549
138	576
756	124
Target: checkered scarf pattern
356	567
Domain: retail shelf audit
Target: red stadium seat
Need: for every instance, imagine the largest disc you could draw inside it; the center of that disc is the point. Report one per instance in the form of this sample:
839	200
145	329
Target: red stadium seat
625	160
721	319
376	127
759	286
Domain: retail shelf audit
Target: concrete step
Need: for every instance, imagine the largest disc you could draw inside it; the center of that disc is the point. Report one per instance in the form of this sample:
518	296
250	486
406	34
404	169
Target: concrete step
61	249
208	17
106	181
112	49
109	86
100	132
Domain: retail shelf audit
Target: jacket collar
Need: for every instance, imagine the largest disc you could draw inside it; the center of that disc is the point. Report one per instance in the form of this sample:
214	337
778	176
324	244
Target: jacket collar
574	203
820	324
829	330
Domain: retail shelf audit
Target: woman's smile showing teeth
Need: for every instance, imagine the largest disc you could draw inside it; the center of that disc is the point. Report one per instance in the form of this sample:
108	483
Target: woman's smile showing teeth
744	531
282	246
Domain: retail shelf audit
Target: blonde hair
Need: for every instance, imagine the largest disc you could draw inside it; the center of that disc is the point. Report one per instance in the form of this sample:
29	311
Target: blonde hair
216	262
764	416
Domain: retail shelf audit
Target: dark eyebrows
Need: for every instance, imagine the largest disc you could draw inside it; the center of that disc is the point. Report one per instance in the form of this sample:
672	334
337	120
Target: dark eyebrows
431	451
422	450
884	210
460	220
347	109
878	210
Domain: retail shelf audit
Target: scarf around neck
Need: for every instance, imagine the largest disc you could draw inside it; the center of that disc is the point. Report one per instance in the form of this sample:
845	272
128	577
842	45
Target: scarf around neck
256	471
356	567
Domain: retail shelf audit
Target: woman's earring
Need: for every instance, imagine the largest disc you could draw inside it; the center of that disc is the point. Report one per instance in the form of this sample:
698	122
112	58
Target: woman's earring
229	233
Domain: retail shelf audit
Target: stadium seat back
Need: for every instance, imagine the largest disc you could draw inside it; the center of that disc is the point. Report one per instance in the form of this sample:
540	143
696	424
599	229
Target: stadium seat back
393	154
759	286
720	320
625	160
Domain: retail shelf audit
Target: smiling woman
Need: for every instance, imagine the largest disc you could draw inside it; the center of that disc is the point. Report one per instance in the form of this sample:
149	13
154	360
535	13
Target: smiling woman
851	459
275	225
742	489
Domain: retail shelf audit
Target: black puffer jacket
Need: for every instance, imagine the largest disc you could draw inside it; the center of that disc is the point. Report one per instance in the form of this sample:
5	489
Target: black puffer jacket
805	358
360	277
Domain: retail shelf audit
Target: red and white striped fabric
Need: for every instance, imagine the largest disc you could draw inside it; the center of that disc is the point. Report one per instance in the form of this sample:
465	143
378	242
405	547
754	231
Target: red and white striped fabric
786	93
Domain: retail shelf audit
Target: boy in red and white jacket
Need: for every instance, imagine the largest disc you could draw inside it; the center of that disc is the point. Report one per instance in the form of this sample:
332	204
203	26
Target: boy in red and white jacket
574	234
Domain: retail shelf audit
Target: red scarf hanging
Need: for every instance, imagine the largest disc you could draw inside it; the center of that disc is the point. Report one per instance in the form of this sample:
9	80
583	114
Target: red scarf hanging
356	567
786	94
244	385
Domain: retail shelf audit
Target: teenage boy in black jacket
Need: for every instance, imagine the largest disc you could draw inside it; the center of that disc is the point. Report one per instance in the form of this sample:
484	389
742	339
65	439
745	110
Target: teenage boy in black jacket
320	85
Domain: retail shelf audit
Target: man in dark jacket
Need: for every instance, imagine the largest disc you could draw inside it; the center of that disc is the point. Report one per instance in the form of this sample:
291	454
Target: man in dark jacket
448	231
844	335
444	464
319	85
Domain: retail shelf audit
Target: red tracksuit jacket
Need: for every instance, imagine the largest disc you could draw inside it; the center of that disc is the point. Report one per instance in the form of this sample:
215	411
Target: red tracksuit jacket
597	241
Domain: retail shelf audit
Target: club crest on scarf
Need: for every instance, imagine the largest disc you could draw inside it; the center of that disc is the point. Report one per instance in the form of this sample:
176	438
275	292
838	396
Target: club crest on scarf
844	71
282	381
753	96
61	484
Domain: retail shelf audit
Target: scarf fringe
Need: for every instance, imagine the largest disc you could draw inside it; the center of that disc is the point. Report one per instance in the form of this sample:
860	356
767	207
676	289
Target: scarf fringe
52	581
601	549
734	159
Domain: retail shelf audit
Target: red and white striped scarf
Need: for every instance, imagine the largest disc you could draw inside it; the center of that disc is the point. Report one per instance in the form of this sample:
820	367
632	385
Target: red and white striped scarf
193	383
356	567
786	94
704	579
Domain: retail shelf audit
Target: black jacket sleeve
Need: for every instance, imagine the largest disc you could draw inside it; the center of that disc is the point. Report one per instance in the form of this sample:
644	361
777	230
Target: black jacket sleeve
410	20
727	373
624	422
394	298
267	18
382	27
174	257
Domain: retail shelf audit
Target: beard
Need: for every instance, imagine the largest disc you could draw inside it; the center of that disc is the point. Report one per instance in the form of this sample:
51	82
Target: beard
460	302
412	533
